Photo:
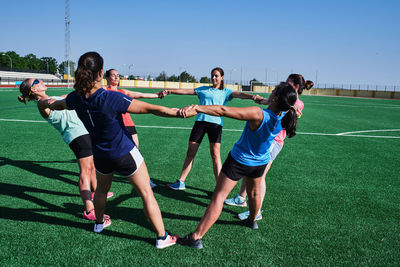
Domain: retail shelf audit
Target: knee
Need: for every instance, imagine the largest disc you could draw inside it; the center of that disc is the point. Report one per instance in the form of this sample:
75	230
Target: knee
191	152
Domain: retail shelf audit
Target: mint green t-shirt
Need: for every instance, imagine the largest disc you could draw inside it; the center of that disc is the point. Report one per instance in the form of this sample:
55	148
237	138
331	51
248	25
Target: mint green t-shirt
67	123
212	96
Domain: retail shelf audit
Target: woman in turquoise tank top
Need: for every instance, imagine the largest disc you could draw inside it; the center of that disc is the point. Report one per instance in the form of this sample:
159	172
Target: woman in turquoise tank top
73	133
249	156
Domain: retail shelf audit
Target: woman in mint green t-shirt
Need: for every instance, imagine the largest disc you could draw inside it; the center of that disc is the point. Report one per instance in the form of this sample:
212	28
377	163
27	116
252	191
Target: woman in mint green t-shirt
74	134
216	94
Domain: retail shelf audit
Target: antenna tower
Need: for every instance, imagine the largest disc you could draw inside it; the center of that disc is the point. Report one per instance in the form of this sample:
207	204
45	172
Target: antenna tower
67	41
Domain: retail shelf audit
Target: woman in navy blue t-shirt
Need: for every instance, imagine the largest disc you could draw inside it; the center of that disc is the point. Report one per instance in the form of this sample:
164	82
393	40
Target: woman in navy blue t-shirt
113	149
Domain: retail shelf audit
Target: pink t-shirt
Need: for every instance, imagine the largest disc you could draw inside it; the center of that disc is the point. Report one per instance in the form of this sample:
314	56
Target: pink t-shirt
280	138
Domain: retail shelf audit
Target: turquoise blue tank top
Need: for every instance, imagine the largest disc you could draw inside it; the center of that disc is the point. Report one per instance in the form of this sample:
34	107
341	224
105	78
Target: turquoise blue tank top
252	149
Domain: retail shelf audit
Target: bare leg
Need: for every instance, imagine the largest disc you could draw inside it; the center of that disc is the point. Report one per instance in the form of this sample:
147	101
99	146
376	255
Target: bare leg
100	197
216	158
263	186
135	139
87	178
223	188
188	163
141	182
253	191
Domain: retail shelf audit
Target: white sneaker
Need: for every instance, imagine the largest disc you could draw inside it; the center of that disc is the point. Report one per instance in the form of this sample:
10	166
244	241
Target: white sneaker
170	240
244	215
98	227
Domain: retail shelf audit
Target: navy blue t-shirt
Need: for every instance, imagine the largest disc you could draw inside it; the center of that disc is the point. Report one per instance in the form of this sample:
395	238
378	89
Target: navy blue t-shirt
101	115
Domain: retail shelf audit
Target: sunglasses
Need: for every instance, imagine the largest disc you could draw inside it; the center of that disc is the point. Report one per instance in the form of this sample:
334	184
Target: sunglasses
36	81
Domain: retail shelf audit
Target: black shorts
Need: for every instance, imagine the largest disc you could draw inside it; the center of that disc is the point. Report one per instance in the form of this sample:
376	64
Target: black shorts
236	171
126	165
82	146
131	129
200	128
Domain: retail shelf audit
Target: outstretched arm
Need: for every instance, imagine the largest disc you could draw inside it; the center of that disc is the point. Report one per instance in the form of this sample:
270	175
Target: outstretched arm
163	93
140	107
253	115
134	95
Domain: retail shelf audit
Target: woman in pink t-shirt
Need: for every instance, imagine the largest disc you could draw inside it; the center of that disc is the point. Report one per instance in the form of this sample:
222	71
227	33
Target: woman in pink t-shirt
299	84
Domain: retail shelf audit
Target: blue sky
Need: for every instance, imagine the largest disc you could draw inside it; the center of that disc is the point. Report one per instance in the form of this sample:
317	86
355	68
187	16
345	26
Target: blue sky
341	42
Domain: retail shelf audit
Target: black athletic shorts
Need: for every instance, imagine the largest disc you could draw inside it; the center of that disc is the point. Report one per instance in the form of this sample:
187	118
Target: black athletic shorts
236	171
131	129
82	146
200	128
126	165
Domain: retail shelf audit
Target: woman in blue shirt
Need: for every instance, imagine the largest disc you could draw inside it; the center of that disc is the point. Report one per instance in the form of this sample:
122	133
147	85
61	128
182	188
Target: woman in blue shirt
113	148
216	94
249	156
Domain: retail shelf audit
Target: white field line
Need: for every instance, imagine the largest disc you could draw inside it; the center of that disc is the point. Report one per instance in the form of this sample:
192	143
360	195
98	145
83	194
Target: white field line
349	134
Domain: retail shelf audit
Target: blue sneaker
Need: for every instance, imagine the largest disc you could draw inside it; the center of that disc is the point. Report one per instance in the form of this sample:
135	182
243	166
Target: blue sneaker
250	224
178	185
244	215
236	201
189	242
152	184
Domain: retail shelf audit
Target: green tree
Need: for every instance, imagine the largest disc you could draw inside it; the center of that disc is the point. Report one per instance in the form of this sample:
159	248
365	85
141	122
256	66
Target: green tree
173	78
32	62
62	68
205	79
49	64
186	77
162	77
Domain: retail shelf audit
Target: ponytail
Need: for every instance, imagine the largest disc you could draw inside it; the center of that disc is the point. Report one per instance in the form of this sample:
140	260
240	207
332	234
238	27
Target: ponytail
89	66
83	80
289	122
287	97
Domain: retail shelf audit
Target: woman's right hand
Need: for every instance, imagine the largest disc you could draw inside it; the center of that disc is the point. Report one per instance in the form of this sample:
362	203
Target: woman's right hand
188	111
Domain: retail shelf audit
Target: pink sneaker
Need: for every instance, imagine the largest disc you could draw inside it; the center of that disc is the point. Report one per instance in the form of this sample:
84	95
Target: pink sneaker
98	227
109	194
170	240
92	216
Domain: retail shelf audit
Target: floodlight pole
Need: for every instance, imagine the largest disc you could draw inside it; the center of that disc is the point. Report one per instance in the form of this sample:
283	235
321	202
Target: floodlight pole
9	58
67	39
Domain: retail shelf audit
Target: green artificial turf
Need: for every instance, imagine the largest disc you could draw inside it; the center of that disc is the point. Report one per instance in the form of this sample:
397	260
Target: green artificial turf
332	198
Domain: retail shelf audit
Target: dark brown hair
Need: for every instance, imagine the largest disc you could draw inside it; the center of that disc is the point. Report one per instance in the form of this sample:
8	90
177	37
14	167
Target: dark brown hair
89	66
287	97
298	79
221	71
25	89
108	73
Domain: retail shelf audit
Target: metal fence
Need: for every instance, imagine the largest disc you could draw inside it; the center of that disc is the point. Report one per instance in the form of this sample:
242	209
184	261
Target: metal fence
359	87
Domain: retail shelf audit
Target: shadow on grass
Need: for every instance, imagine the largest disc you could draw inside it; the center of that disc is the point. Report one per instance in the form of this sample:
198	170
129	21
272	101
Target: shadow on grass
35	168
187	195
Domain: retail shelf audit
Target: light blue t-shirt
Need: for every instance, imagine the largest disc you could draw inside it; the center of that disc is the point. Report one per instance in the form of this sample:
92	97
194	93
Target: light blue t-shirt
67	123
252	149
212	96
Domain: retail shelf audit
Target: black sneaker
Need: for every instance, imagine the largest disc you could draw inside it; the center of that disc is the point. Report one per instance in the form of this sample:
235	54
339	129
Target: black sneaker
189	242
250	224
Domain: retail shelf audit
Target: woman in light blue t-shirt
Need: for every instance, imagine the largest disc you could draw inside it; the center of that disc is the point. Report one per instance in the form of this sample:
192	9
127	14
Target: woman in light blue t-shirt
216	94
249	156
